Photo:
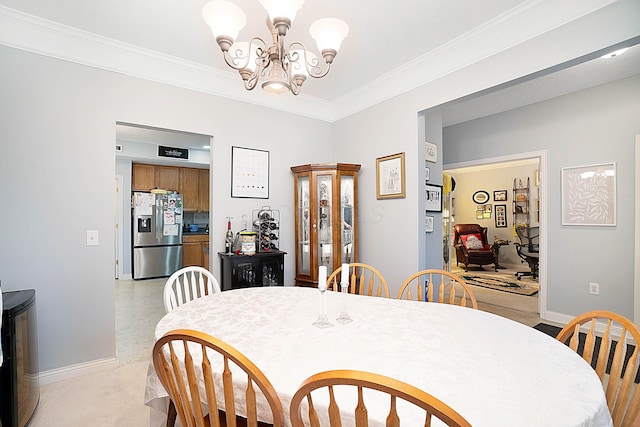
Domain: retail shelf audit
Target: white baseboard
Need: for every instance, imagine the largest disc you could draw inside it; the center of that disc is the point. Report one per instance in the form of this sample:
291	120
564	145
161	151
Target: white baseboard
72	371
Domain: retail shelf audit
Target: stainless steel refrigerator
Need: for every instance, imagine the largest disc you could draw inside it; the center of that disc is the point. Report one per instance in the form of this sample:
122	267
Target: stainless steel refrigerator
157	234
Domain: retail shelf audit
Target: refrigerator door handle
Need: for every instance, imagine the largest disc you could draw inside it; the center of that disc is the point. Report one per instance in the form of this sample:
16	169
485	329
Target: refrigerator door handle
159	218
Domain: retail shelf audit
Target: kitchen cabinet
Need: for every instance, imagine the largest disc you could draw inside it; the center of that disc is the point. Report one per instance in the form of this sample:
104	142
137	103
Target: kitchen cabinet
168	177
194	247
143	177
326	218
192	183
245	271
189	188
203	189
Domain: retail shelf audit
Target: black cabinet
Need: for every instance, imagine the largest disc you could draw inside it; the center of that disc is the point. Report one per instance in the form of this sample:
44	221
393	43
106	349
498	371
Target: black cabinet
19	384
245	271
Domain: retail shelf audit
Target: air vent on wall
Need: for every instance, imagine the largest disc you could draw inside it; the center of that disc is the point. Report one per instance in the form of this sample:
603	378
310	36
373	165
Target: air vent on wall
118	148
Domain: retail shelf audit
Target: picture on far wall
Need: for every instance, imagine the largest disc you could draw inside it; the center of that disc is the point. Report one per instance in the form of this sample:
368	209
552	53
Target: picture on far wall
500	196
501	216
431	152
433	196
428	224
589	195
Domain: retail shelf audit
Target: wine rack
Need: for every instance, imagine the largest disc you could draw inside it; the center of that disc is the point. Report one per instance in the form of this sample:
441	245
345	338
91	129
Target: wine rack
266	223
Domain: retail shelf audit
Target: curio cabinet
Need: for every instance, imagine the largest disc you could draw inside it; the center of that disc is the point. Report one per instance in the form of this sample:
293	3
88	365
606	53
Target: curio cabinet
326	216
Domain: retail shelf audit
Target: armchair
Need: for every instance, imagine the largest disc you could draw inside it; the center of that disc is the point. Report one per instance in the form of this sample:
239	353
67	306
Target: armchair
472	246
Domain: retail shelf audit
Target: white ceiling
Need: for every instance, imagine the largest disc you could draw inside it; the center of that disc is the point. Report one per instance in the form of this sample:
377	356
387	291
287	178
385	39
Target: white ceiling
385	40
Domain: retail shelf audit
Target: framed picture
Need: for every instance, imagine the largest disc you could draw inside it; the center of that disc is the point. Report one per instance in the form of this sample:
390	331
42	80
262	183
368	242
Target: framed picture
589	195
433	195
428	225
501	216
480	197
431	152
500	196
249	173
390	177
427	173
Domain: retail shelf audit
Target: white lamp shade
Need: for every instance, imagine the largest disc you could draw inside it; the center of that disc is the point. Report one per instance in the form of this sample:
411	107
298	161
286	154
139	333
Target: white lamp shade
282	8
298	67
238	53
329	33
224	18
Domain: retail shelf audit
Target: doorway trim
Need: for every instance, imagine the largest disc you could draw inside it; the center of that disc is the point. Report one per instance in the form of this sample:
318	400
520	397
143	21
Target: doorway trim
119	218
542	159
636	274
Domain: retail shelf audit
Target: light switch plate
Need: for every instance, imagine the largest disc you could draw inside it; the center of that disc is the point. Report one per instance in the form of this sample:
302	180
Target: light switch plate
92	237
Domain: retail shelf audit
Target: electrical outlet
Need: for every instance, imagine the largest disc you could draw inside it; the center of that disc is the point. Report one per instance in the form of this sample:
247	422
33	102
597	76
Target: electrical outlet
594	288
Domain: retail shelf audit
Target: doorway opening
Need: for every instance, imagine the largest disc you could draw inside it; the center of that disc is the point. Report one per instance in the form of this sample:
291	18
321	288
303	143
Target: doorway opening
501	178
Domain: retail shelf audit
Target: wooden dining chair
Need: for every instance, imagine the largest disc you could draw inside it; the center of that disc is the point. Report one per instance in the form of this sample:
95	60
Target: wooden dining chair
189	366
188	284
621	389
425	281
360	380
363	279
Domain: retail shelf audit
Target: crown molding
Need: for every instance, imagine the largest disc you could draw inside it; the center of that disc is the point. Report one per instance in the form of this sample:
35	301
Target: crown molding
531	19
37	35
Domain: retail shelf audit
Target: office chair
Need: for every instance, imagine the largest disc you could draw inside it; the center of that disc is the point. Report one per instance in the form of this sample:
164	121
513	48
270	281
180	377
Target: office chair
528	249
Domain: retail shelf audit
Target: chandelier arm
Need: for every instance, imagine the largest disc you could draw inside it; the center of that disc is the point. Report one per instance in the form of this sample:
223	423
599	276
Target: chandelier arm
239	60
313	67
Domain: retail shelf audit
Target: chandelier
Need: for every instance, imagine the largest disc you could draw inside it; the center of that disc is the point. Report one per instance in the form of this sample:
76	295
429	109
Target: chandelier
281	68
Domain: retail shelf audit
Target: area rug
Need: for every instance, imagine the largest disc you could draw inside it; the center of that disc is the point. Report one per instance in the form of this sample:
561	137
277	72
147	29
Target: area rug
553	331
501	284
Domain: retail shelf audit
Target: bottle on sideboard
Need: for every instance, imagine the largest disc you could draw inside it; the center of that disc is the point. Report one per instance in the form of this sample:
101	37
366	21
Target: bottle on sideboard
228	238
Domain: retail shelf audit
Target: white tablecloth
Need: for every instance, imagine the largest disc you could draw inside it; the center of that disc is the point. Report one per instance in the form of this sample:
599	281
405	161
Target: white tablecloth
493	371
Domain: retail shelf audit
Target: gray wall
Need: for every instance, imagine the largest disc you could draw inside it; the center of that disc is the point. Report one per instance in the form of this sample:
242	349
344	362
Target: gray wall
57	127
589	127
57	124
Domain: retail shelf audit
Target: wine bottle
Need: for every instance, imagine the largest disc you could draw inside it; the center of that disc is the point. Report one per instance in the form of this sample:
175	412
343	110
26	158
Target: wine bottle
228	238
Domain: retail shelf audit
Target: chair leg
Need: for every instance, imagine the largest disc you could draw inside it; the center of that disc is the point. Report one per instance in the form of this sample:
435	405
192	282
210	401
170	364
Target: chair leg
172	414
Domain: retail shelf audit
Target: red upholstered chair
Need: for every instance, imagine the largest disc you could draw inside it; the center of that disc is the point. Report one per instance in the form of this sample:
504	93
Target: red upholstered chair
472	247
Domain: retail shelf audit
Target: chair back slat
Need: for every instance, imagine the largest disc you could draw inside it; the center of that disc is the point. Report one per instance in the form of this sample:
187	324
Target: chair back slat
444	281
181	373
187	284
363	279
621	390
367	380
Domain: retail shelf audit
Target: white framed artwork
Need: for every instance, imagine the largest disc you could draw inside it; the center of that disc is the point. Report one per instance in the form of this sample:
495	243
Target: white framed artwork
589	195
431	152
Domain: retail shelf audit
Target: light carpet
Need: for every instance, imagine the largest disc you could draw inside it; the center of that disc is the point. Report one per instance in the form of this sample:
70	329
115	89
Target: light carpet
501	284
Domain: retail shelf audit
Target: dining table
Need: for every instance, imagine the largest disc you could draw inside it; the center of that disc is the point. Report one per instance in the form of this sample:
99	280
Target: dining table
490	369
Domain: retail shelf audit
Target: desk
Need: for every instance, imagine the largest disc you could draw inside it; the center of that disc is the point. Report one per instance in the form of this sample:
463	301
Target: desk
493	371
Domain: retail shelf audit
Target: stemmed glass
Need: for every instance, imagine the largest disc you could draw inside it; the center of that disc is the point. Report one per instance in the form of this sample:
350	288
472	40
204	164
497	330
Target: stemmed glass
322	321
344	289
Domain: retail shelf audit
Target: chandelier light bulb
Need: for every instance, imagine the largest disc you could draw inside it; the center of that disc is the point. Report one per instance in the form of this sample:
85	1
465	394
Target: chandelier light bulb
282	8
329	33
225	19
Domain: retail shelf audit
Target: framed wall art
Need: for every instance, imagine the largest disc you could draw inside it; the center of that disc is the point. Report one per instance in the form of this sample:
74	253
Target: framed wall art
500	196
428	227
501	216
249	173
433	195
390	182
589	195
480	197
431	152
427	173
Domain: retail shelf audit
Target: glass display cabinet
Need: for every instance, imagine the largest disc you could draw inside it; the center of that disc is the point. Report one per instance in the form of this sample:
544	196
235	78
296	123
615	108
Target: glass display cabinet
326	217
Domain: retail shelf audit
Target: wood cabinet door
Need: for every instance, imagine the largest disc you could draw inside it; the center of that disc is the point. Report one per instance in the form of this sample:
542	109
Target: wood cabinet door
142	177
205	255
167	177
189	182
191	254
203	189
